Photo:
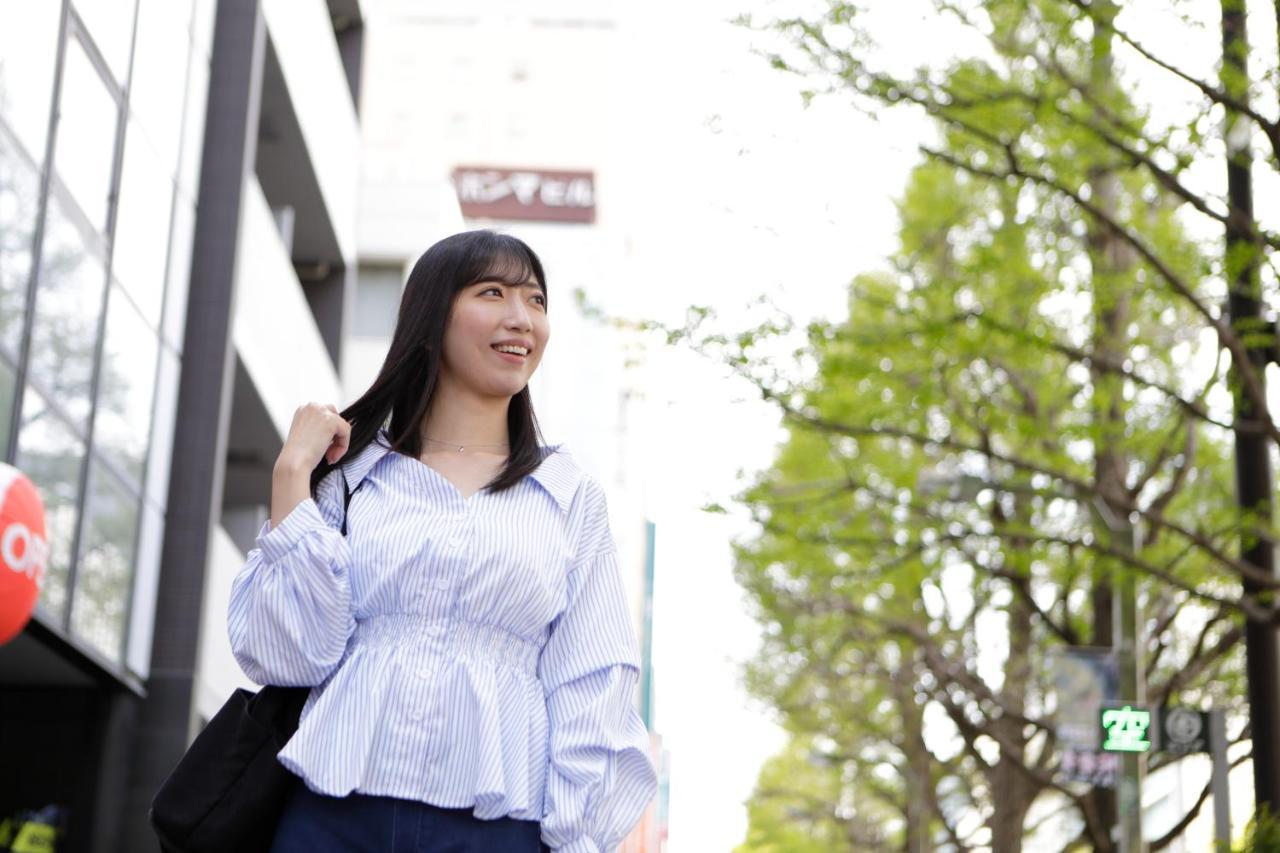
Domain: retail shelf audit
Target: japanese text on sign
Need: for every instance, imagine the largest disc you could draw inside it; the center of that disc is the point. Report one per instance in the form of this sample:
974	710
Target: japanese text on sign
529	194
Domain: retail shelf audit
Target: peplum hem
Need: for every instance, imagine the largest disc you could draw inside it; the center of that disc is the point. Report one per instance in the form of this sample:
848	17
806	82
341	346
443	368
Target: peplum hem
466	728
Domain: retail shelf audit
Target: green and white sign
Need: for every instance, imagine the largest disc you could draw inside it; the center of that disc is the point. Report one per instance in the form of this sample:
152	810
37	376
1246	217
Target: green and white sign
1126	729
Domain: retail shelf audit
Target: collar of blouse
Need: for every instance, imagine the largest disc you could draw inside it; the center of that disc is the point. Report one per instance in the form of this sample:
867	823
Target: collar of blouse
558	474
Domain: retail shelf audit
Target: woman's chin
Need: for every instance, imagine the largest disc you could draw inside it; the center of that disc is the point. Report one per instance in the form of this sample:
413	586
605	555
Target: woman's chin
505	390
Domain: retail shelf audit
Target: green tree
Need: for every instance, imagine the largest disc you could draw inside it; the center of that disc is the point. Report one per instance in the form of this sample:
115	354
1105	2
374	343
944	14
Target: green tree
1049	332
798	803
892	610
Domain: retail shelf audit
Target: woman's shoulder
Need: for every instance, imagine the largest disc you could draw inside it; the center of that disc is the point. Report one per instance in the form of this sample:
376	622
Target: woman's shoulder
560	474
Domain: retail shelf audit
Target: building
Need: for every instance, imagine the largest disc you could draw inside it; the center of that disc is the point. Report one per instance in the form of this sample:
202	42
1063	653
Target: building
178	184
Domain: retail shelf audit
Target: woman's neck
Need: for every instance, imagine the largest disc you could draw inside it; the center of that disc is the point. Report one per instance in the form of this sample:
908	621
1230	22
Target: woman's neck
462	418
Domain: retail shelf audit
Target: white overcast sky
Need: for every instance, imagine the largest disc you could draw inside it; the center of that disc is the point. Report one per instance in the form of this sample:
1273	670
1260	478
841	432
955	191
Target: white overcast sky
735	190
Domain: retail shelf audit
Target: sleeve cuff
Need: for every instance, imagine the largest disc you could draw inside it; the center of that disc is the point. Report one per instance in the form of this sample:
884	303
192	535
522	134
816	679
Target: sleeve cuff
579	845
279	541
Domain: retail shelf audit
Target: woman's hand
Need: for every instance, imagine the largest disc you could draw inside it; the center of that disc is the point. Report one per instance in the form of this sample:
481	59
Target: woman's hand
318	432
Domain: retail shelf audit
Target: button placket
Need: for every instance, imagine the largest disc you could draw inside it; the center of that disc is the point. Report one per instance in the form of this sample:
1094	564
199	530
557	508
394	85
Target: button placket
462	532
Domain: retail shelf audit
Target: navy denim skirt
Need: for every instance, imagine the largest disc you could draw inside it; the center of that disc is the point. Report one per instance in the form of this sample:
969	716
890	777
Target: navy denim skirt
315	823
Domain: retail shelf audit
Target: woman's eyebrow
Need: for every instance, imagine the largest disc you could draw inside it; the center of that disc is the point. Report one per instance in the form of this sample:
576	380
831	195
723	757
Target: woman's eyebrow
529	283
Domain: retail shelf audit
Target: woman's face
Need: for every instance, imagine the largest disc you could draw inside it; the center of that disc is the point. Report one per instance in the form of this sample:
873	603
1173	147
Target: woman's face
495	337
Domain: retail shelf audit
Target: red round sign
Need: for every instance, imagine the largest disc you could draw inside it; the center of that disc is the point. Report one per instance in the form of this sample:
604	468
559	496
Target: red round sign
24	550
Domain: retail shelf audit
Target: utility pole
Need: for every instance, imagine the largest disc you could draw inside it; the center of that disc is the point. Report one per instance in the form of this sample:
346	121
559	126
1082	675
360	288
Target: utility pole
1127	642
1253	463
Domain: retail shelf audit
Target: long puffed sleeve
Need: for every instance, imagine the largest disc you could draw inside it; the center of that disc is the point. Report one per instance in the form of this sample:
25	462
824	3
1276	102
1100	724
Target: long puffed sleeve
599	777
290	616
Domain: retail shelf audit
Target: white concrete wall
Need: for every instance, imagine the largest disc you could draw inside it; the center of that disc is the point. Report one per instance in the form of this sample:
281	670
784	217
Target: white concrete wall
218	673
304	42
274	330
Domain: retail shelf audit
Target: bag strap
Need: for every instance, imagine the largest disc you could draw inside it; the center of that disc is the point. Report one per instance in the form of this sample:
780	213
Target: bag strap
346	500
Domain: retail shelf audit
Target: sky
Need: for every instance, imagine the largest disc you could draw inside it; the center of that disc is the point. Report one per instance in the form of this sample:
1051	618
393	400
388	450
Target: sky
736	190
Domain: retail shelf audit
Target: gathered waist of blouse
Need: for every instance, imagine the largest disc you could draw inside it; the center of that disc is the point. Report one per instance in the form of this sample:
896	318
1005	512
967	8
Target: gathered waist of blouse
450	638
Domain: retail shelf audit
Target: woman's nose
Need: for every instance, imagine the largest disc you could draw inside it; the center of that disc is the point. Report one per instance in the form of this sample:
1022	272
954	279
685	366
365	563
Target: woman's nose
518	315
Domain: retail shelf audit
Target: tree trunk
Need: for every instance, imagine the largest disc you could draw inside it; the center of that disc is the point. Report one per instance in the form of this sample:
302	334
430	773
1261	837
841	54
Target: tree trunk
917	767
1012	792
1112	263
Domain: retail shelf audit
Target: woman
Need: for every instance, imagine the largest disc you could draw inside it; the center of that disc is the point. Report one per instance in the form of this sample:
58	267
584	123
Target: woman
467	643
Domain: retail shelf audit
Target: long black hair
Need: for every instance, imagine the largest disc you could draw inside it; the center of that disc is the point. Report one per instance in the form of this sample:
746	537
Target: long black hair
400	397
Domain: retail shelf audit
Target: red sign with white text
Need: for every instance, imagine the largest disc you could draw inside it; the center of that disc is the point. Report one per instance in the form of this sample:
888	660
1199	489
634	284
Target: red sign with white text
527	194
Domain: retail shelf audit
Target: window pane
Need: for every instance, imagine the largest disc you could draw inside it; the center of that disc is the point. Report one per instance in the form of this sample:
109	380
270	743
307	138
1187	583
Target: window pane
161	448
178	275
19	198
193	126
110	25
160	75
202	26
68	301
86	135
6	397
142	228
101	597
126	387
377	301
50	454
146	579
28	50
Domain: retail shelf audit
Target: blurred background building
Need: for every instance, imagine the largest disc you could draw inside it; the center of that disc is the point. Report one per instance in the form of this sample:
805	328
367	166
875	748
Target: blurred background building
189	249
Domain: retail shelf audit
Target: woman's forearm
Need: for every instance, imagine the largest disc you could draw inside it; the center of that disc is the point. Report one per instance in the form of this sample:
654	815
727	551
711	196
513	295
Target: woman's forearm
290	486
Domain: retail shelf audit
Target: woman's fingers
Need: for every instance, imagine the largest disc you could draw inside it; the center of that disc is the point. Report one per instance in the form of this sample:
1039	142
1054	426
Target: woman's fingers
318	432
341	440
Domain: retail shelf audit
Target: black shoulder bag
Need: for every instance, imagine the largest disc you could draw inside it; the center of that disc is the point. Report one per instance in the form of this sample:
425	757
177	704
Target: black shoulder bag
228	790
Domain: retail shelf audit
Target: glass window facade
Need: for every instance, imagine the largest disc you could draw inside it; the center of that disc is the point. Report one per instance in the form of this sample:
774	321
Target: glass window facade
160	55
70	282
51	453
110	25
19	202
126	388
99	608
28	55
95	245
142	226
85	148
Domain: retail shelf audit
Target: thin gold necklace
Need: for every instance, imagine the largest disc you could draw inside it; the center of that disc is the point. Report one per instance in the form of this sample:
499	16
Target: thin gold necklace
462	447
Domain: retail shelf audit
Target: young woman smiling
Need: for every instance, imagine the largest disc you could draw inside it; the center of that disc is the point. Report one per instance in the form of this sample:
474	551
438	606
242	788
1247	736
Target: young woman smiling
467	641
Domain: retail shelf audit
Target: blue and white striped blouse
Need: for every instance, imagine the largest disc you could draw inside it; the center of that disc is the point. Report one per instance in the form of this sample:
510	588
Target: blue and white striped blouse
467	653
